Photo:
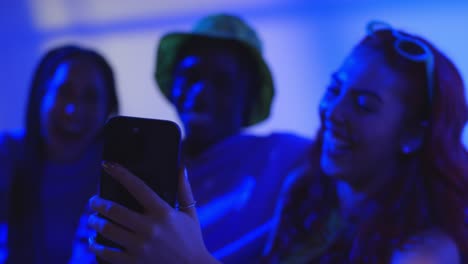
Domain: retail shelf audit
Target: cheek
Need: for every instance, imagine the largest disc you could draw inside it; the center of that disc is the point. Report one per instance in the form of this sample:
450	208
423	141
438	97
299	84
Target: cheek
230	109
96	116
379	139
49	109
177	91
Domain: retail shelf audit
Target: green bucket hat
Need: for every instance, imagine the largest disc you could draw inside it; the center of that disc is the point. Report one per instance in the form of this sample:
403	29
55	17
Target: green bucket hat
217	28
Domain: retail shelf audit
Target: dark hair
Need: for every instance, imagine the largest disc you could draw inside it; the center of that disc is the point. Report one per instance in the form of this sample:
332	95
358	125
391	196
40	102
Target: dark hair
243	55
24	215
432	194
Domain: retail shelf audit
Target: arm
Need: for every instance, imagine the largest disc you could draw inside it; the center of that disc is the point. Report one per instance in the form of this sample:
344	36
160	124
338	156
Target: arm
80	249
432	247
8	144
290	180
162	233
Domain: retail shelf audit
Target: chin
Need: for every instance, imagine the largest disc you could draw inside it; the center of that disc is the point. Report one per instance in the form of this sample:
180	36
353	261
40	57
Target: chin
345	174
332	169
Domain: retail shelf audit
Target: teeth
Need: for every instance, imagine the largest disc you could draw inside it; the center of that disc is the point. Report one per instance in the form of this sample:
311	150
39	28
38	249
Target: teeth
338	142
335	142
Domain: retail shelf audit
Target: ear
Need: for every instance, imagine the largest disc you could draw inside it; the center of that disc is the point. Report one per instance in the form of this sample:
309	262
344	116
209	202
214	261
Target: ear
413	138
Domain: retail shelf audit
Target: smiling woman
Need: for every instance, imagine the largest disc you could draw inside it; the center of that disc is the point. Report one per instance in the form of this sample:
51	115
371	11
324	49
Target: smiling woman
389	162
54	163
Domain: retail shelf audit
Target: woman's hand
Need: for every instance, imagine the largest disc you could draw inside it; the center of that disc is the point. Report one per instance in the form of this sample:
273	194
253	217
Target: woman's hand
161	235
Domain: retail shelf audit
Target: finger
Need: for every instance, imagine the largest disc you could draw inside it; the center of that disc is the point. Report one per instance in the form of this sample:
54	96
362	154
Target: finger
111	255
185	196
137	188
112	231
129	219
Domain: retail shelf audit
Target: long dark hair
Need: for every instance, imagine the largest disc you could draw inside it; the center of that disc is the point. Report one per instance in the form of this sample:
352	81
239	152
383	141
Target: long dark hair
24	218
431	194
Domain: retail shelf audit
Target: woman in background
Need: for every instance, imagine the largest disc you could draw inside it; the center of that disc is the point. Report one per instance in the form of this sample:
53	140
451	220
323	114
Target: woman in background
49	170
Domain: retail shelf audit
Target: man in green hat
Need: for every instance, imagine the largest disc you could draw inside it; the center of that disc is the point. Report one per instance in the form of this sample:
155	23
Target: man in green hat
219	83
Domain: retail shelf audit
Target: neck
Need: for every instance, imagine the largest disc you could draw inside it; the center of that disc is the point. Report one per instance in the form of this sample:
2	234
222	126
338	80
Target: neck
63	154
194	146
192	149
349	198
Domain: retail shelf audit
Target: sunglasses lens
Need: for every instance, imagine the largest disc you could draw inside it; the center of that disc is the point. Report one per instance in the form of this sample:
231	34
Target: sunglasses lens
410	48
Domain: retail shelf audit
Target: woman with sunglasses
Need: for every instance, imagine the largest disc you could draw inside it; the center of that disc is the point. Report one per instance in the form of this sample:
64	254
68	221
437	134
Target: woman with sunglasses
386	181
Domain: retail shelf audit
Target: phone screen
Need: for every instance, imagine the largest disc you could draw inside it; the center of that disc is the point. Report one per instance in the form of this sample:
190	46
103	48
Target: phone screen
150	149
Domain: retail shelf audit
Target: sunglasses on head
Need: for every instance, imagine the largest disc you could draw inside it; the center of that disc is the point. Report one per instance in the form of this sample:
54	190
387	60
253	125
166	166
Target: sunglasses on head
410	48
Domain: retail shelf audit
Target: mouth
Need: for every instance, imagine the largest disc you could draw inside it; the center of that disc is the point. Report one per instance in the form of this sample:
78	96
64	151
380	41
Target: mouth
336	144
69	131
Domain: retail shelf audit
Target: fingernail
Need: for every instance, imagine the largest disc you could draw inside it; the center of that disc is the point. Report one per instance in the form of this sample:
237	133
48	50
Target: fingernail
108	165
96	247
91	240
92	201
95	203
92	220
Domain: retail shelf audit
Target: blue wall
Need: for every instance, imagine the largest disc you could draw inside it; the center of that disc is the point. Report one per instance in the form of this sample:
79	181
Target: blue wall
304	42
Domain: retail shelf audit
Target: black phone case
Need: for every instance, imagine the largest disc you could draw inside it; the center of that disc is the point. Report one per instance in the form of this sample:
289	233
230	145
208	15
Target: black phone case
150	149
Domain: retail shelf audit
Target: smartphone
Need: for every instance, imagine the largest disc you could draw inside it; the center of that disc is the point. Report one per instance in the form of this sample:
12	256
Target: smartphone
150	149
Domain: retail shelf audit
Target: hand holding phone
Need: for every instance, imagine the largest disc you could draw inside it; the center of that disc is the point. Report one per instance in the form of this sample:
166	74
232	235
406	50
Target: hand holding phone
148	148
160	235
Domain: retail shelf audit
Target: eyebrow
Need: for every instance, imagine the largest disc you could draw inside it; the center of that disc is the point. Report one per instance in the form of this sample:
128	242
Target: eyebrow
336	77
368	93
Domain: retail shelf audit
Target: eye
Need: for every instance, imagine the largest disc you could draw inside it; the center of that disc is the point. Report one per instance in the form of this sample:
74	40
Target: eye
188	76
183	79
365	103
91	96
64	92
333	90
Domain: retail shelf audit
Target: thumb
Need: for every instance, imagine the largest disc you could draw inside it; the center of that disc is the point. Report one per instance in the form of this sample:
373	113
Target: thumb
185	196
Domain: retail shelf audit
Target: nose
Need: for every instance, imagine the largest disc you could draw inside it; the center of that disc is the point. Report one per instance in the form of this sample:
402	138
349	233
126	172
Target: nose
193	93
334	111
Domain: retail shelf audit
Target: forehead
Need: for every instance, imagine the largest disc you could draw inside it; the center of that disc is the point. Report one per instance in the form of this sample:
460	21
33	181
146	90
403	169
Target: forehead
227	56
82	73
78	69
367	70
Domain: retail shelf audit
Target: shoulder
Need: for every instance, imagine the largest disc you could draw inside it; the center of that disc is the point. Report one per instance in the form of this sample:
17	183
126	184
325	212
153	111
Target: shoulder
284	137
288	146
11	138
11	141
294	178
276	138
289	183
430	247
